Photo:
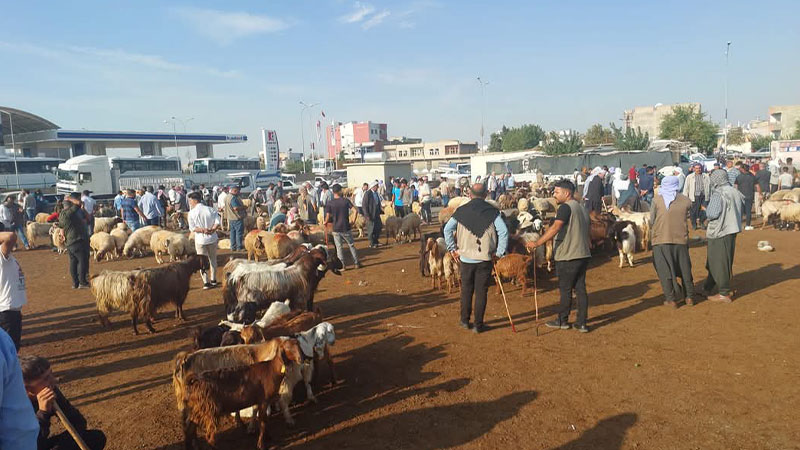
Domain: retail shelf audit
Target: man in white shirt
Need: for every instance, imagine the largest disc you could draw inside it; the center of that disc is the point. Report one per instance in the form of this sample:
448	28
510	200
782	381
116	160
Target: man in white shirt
221	198
150	207
425	200
785	179
12	288
359	198
205	222
88	206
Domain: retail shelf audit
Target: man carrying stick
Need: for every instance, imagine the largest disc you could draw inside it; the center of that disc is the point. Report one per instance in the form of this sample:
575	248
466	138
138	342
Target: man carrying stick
47	399
480	236
571	252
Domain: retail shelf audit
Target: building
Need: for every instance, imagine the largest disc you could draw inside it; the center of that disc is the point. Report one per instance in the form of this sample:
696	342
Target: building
36	136
431	155
355	138
649	118
783	121
360	173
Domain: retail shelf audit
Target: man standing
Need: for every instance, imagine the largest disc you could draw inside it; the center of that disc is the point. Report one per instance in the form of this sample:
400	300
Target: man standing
510	181
697	189
785	181
408	197
359	198
747	185
762	178
724	223
204	222
12	289
29	205
670	238
88	206
425	199
118	203
337	212
397	198
646	185
180	206
150	207
13	219
235	212
130	211
571	252
372	212
491	185
481	236
74	222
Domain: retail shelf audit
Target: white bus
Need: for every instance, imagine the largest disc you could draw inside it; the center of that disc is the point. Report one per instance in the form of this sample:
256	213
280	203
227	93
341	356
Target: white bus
34	173
323	166
104	176
213	171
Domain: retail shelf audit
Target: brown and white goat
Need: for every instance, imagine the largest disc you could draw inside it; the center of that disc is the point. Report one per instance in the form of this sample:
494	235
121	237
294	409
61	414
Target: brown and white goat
157	287
436	250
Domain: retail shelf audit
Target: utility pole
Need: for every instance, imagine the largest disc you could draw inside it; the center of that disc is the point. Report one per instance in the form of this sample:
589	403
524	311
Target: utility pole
305	106
13	145
483	107
725	130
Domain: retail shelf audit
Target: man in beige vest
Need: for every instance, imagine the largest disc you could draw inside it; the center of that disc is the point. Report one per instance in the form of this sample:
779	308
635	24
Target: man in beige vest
480	236
571	233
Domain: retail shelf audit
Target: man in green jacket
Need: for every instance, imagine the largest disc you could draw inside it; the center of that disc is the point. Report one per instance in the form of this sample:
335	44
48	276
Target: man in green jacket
74	222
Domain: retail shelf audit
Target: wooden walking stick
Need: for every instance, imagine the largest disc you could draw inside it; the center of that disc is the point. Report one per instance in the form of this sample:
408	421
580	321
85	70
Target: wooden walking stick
502	291
535	293
70	428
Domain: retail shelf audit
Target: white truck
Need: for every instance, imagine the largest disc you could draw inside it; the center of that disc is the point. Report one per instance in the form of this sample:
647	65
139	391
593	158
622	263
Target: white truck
104	175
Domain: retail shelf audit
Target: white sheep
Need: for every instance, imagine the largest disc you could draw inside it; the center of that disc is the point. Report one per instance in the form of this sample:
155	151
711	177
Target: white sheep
120	237
455	202
523	204
102	244
112	291
179	246
139	241
545	205
159	241
790	214
771	208
59	238
37	232
105	224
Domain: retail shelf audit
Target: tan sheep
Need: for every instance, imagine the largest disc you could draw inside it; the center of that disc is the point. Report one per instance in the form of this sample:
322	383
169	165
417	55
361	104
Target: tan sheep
523	204
102	244
158	243
139	240
105	224
455	202
224	244
790	215
41	217
254	245
179	246
416	208
261	223
277	245
37	233
59	238
120	237
445	214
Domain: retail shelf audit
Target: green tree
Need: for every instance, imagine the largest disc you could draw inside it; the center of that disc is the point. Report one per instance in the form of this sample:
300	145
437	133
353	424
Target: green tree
297	166
686	124
630	139
522	138
736	136
597	134
759	142
558	144
796	134
496	140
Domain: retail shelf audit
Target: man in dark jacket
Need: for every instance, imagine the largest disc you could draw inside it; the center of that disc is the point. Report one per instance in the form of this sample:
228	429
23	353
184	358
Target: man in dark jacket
44	394
372	212
74	222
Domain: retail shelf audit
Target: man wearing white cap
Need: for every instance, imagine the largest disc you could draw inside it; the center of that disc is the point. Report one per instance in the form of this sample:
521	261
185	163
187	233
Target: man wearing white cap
372	212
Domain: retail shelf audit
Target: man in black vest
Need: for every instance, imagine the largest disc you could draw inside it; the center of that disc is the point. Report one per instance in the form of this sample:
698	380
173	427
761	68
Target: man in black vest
372	212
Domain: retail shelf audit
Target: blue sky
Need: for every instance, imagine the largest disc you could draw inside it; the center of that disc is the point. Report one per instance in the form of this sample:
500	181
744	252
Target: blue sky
237	66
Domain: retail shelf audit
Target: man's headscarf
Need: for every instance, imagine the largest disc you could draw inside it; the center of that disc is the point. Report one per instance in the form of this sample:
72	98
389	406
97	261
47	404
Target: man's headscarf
669	189
595	172
719	178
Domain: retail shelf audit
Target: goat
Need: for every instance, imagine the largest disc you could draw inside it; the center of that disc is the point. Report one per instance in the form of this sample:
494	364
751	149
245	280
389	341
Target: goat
411	223
205	397
423	253
214	336
513	266
436	250
641	220
600	228
286	325
625	237
157	287
266	283
452	273
275	310
113	290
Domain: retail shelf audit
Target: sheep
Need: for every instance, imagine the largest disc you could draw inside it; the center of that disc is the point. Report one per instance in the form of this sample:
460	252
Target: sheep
105	211
513	266
105	224
416	208
790	215
392	227
523	204
357	221
179	246
154	288
102	244
506	201
113	290
435	248
793	195
205	397
254	245
41	217
37	232
779	195
411	223
277	245
455	202
545	205
770	210
139	241
624	233
224	244
261	223
298	282
120	237
445	214
158	243
641	220
59	238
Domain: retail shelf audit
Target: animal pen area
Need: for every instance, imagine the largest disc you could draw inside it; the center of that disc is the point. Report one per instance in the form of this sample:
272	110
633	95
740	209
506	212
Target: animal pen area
709	376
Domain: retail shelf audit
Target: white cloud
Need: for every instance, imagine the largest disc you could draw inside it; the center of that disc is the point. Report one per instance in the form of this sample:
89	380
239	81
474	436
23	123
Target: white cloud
361	11
109	58
375	19
225	27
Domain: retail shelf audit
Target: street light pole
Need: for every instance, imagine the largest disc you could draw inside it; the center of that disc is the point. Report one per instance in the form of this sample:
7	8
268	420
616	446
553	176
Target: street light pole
483	107
13	145
302	129
725	130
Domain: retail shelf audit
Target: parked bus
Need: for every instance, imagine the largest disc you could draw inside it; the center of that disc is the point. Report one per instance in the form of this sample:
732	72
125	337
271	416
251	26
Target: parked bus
104	176
213	171
323	167
34	173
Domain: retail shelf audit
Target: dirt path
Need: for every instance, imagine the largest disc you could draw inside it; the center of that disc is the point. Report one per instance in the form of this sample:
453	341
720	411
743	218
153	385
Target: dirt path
710	376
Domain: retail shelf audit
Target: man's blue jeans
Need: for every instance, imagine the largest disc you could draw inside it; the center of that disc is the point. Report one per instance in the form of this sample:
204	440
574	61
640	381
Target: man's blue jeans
237	234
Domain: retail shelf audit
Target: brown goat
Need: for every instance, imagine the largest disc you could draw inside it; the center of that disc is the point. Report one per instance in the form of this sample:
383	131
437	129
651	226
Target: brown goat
600	228
208	396
514	266
157	287
286	325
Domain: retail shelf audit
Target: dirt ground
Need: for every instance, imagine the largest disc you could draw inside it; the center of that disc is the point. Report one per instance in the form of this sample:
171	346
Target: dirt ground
712	376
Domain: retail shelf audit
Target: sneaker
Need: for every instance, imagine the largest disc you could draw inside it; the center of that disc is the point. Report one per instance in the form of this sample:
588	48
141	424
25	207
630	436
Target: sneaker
581	328
478	329
206	286
748	228
465	325
721	299
557	324
213	284
83	286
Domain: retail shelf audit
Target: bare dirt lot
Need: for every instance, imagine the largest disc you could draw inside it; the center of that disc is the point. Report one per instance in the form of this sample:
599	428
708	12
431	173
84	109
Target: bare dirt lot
712	376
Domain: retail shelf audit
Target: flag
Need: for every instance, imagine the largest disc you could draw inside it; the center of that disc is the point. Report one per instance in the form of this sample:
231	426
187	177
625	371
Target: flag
319	124
322	112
